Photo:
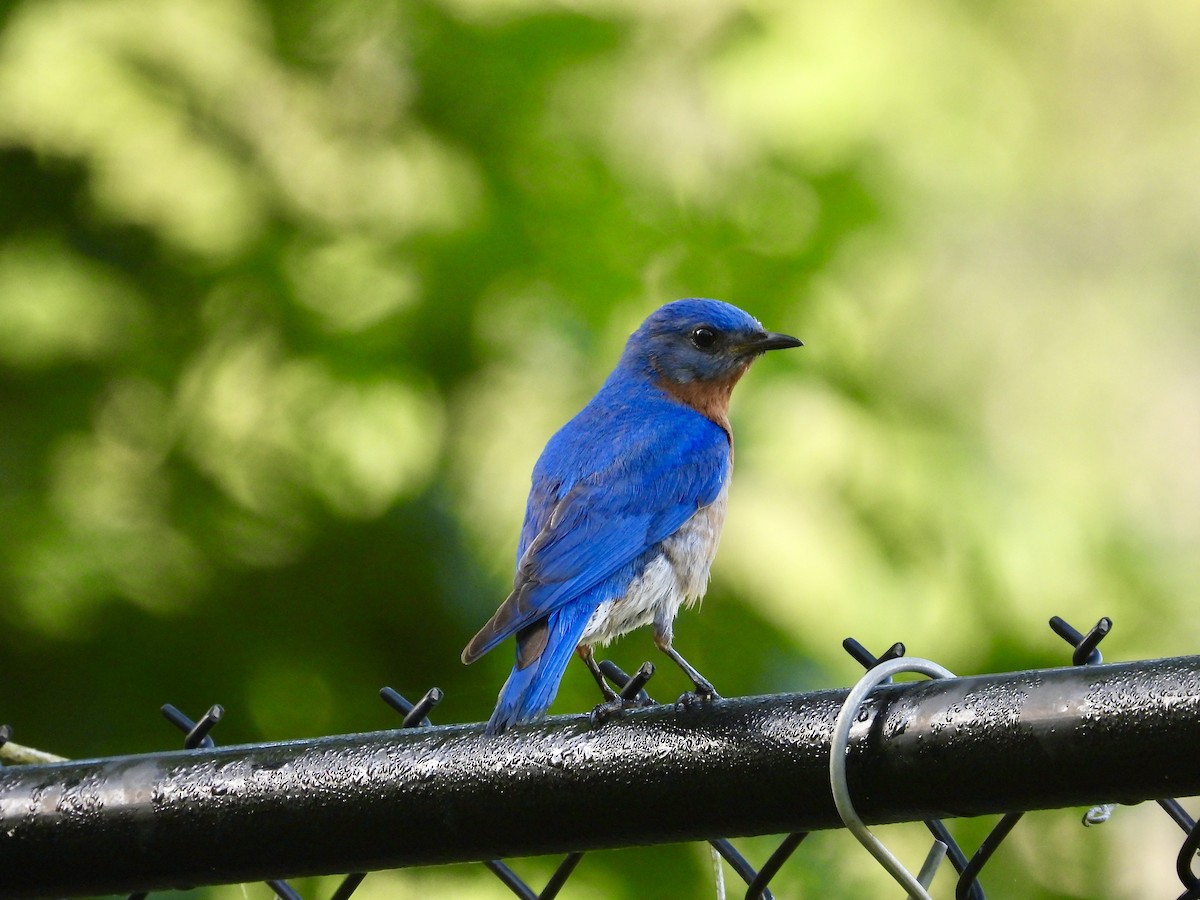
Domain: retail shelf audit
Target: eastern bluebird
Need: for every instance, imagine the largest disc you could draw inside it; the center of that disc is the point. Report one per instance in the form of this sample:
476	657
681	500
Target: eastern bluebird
627	504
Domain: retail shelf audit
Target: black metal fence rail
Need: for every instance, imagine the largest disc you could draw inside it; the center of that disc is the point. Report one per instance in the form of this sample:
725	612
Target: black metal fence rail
918	751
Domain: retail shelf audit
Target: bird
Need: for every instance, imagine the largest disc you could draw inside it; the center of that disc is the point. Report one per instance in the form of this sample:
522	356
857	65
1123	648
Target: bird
626	505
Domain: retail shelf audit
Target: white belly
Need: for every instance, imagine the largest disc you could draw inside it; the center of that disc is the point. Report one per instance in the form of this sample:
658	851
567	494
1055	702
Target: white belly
677	576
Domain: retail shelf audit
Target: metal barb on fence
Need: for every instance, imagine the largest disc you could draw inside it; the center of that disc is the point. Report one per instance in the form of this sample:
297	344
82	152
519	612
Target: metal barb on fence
882	673
196	735
415	715
1183	863
954	852
1085	651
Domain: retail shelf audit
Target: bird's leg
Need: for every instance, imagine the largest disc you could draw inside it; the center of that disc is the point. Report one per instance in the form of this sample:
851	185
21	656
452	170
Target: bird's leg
614	704
589	660
704	690
632	694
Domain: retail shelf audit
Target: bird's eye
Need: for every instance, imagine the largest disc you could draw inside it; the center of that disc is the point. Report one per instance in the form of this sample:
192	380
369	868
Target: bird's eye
704	337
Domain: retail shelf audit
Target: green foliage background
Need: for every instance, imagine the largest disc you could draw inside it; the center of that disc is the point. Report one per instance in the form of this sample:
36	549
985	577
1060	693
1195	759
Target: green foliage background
292	294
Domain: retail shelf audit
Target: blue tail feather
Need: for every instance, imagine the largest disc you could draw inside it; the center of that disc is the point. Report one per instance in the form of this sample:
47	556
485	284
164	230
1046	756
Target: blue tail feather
529	692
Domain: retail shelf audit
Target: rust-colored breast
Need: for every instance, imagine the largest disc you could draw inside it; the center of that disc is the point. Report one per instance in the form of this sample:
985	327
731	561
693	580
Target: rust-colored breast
709	398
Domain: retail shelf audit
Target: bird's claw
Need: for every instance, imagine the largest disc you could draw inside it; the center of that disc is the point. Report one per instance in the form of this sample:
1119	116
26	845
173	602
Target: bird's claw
611	709
602	712
697	699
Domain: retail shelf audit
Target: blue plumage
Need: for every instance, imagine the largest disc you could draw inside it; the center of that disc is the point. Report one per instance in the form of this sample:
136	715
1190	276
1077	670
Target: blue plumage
626	504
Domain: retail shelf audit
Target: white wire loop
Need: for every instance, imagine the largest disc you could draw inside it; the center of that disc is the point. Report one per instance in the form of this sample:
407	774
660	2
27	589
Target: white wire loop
839	747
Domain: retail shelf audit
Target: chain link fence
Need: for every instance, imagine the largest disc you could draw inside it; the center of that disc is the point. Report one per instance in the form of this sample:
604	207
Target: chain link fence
1092	735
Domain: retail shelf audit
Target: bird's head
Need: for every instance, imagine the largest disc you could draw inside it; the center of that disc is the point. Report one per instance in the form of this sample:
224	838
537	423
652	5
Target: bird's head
693	342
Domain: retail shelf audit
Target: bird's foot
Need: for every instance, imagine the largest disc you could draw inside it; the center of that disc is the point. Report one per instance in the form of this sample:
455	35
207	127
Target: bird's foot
702	696
611	709
632	694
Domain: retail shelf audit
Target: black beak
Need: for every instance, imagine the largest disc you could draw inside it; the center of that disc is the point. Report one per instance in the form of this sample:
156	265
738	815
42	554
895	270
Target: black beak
769	340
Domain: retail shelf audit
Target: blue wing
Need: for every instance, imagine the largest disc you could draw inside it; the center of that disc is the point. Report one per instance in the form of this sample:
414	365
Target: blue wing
611	484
